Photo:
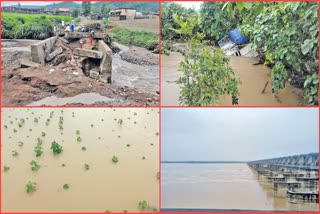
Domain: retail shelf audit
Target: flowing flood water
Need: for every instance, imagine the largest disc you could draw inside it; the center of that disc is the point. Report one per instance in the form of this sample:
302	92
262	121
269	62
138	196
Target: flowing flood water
220	187
253	79
129	134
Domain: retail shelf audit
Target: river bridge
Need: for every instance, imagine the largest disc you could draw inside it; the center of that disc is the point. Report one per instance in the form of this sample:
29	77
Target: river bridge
295	177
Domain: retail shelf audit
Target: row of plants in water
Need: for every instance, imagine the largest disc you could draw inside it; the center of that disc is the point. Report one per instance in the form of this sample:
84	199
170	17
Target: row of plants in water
57	149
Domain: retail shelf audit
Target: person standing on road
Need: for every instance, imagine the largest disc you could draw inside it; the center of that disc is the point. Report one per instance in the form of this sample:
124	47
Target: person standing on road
72	26
62	24
91	37
81	42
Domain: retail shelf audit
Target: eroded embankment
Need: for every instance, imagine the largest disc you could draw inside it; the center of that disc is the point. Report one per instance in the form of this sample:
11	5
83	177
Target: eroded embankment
135	80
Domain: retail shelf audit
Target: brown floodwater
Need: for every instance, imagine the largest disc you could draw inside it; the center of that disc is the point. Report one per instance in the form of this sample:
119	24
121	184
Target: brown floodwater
106	185
220	187
253	79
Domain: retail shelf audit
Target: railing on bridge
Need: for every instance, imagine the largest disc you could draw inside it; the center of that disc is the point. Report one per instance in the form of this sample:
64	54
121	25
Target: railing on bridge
303	161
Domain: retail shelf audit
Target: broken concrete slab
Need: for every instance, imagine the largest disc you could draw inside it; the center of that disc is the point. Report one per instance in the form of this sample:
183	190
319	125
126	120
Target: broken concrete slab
94	74
88	53
79	35
106	63
37	50
27	63
52	55
59	59
63	40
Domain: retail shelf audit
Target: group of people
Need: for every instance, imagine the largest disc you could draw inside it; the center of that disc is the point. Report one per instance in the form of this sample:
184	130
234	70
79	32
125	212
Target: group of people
71	28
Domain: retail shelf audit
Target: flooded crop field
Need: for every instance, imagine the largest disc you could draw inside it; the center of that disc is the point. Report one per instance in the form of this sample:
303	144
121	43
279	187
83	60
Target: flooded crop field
80	160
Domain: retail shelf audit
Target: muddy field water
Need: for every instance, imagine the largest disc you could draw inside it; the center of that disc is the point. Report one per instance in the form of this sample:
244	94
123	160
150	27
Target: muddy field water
129	134
253	79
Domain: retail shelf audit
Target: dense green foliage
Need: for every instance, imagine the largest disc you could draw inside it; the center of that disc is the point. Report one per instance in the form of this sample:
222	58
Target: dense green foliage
215	23
86	8
168	23
284	33
29	26
138	38
205	76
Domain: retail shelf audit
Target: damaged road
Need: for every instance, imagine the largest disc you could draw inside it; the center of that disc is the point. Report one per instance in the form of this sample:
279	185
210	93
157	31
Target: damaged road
67	74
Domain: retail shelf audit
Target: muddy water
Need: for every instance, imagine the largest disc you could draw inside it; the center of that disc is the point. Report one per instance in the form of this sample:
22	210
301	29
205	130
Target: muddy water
219	186
105	186
253	78
145	77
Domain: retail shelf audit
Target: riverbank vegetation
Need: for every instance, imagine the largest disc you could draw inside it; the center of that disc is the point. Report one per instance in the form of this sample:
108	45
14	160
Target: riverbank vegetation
284	34
138	38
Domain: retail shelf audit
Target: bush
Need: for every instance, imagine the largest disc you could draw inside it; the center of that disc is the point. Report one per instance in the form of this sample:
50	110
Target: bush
138	38
29	26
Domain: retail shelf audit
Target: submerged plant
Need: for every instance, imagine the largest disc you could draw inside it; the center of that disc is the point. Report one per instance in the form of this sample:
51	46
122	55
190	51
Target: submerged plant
15	130
15	153
39	141
63	165
20	144
38	150
128	145
6	168
31	186
143	205
36	120
83	148
120	121
43	134
143	157
34	165
79	139
115	159
78	132
86	166
66	186
57	149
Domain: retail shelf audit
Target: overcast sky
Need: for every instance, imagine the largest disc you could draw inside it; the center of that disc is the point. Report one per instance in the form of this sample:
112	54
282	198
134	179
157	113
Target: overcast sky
237	134
191	4
38	3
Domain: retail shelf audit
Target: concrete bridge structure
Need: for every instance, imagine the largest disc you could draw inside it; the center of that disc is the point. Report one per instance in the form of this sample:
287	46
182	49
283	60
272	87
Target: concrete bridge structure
295	177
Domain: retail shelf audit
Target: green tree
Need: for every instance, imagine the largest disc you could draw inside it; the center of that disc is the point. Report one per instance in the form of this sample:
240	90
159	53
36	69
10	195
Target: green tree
75	12
167	20
286	35
86	8
215	22
105	10
205	76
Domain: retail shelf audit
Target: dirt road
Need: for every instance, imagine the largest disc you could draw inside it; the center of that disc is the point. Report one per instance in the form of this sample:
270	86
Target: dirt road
149	25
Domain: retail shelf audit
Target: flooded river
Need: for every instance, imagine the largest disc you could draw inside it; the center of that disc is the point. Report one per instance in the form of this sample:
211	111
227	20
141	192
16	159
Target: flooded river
129	134
219	186
253	78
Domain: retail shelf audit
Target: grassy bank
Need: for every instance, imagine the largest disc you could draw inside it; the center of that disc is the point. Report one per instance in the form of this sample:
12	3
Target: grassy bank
138	38
29	26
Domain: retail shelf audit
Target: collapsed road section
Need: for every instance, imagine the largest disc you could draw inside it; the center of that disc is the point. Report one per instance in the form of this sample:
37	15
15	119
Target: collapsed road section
76	67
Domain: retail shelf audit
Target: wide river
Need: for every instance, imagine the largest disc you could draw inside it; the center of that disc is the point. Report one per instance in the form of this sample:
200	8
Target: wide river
220	187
